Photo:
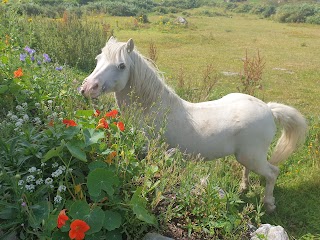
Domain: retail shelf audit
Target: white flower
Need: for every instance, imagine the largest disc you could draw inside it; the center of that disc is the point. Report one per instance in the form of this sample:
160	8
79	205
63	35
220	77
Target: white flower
37	105
55	165
9	114
70	169
32	170
30	187
20	182
30	178
57	173
43	164
25	118
62	168
39	181
24	105
18	124
37	121
14	117
57	199
39	171
62	188
48	181
50	102
19	108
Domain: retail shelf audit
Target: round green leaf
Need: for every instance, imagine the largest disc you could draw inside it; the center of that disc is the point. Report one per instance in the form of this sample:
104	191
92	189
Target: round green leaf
79	210
95	220
60	236
114	235
100	180
112	220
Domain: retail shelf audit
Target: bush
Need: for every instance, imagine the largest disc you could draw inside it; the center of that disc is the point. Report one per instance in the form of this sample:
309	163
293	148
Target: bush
315	19
69	38
121	9
297	13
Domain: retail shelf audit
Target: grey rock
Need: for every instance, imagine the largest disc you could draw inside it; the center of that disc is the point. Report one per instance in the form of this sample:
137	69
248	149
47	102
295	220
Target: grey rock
181	20
155	236
269	232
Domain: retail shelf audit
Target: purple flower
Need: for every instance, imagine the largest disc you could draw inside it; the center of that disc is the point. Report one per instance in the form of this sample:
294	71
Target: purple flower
59	68
32	58
39	62
23	204
29	50
23	57
46	58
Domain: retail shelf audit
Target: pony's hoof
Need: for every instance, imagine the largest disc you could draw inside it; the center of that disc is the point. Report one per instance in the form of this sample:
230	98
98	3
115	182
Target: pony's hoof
270	208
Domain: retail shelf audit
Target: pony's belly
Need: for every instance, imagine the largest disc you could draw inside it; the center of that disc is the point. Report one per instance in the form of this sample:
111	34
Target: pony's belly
207	149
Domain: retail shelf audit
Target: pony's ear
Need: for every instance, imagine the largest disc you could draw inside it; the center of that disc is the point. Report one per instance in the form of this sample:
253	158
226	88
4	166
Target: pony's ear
130	45
112	39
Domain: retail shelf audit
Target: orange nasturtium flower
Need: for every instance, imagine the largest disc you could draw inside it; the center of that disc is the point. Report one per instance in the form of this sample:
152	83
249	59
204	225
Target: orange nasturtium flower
96	113
120	125
78	229
51	123
18	73
62	218
102	123
112	113
69	123
110	157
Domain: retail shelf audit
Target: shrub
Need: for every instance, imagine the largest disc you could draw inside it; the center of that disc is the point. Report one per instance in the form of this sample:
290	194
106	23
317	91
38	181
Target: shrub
121	9
315	19
295	13
69	38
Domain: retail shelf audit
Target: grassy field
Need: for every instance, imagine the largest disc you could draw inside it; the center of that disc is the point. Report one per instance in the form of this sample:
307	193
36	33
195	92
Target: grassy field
181	193
290	51
291	76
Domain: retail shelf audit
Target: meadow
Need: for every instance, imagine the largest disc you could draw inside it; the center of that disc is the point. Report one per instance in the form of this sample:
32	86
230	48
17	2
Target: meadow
149	191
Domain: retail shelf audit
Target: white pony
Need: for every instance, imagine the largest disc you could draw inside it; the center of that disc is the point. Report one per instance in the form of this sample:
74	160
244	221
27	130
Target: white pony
236	124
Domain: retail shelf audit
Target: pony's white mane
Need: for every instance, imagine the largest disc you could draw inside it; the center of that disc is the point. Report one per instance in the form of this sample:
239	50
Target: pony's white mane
146	80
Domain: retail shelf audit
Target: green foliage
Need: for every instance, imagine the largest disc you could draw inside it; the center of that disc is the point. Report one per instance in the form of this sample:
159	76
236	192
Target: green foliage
67	36
298	13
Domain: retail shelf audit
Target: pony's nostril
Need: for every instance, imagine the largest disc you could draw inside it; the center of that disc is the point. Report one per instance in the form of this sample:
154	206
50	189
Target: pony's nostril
95	86
82	91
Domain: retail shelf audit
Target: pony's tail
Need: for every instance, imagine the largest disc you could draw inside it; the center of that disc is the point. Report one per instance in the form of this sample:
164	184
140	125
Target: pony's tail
293	133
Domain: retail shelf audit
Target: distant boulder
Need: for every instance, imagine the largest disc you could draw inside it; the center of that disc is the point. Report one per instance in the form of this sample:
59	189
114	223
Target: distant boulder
181	20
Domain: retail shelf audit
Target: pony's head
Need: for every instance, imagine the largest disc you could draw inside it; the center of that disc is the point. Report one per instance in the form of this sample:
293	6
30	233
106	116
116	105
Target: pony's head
112	71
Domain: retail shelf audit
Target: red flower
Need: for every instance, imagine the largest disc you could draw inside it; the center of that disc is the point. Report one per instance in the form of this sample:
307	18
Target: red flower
62	218
69	123
96	113
120	125
18	73
102	123
112	113
78	229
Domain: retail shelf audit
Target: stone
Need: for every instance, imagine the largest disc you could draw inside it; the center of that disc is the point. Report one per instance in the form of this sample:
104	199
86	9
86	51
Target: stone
267	231
155	236
182	20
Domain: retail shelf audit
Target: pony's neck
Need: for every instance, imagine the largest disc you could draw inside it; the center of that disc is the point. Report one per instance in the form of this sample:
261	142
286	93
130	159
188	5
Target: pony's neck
146	88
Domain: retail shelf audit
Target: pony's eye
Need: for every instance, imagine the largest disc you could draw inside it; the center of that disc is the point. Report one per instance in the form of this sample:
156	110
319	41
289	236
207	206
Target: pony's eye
121	66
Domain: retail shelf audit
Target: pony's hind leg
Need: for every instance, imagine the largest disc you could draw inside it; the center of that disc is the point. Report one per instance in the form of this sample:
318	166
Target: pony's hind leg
261	166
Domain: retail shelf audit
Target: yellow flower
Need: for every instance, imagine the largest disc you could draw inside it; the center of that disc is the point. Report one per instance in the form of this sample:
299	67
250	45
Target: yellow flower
4	1
78	191
29	19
